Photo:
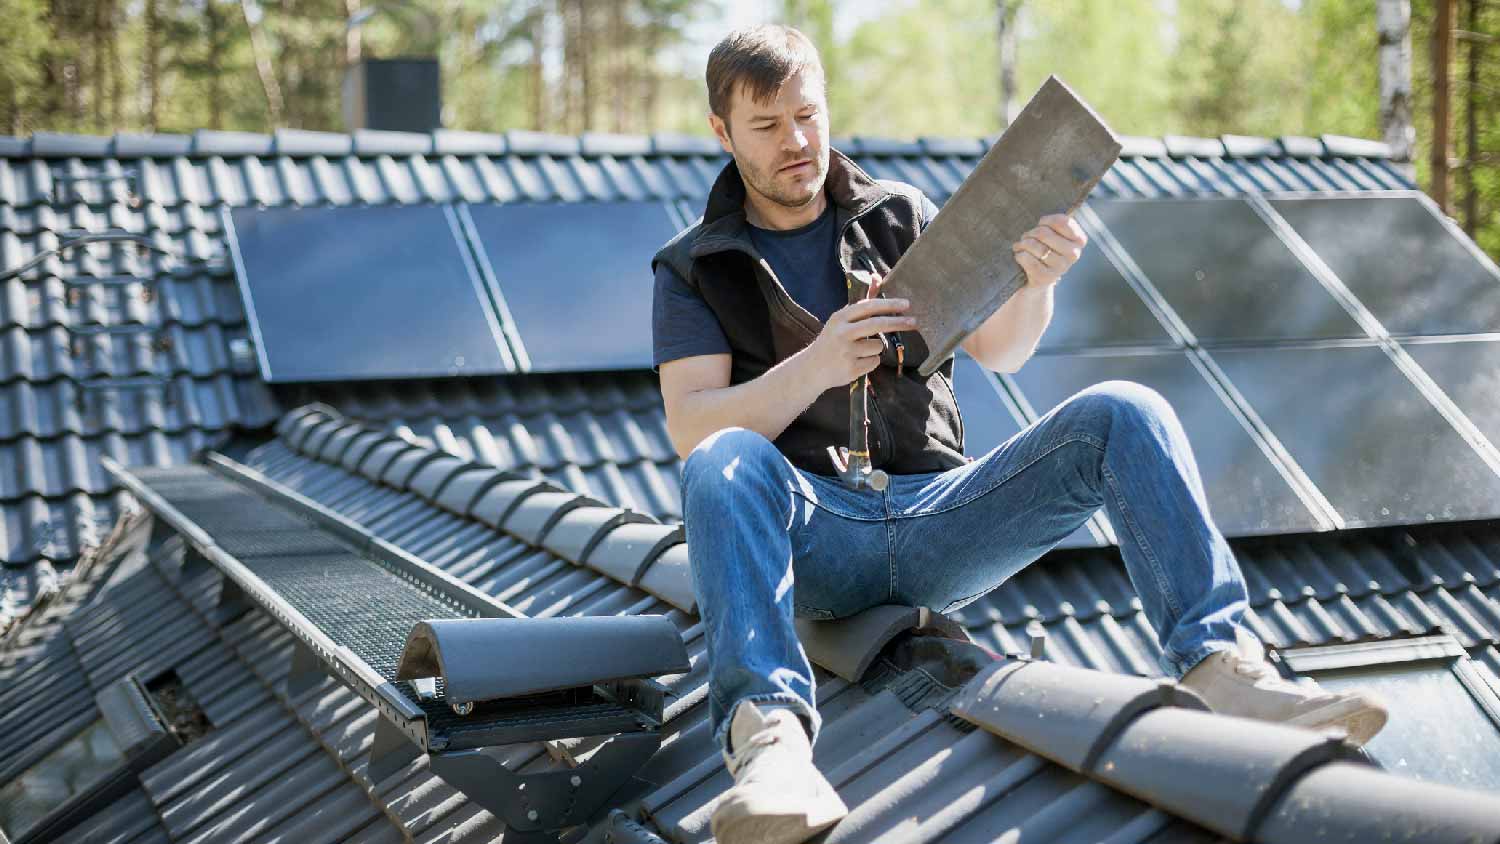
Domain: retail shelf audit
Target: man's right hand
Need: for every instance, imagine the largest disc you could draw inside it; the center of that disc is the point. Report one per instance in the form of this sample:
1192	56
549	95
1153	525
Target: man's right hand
848	346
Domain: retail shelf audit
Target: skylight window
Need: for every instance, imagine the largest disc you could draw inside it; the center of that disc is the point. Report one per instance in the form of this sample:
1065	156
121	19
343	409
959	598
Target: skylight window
1444	714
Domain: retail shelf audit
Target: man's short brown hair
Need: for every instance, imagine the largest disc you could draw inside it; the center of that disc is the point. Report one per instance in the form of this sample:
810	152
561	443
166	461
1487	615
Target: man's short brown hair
762	58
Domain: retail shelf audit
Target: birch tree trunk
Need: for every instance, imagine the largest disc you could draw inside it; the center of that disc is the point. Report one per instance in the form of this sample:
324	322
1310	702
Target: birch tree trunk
1005	14
1393	26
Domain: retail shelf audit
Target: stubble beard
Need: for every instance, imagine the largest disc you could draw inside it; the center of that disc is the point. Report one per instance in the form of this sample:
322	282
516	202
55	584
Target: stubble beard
773	188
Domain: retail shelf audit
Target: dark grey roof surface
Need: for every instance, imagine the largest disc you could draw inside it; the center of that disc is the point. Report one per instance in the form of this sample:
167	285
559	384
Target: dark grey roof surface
72	388
909	769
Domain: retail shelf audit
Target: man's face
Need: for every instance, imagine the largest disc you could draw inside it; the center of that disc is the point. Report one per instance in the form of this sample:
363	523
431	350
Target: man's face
765	138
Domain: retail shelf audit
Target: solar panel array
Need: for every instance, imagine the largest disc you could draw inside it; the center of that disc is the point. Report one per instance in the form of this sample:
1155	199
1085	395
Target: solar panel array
1333	358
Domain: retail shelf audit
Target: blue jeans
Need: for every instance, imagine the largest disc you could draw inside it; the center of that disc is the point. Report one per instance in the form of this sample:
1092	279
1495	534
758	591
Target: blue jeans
767	540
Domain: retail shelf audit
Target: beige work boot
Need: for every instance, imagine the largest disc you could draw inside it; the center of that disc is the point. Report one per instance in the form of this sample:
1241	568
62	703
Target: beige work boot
778	796
1241	682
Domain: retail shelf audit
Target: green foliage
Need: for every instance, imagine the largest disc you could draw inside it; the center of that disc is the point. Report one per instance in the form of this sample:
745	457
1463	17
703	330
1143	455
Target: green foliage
24	39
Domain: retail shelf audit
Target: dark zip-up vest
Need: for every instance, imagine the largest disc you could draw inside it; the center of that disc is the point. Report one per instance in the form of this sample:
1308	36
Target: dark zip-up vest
915	425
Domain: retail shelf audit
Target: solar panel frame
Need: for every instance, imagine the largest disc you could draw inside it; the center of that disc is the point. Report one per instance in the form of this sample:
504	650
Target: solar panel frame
1469	372
365	338
1394	459
1078	322
1287	302
543	347
1441	251
1238	472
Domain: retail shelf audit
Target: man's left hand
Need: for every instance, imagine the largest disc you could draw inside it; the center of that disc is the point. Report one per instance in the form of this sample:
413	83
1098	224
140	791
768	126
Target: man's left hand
1047	251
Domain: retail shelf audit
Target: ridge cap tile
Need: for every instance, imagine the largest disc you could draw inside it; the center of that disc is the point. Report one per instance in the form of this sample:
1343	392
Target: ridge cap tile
536	515
308	143
1249	146
69	145
463	142
670	578
151	145
430	479
1067	713
304	427
360	446
1367	804
339	441
1219	771
463	489
374	463
375	142
497	503
624	553
1301	146
531	142
1182	146
1349	146
613	143
1142	146
230	144
951	145
318	435
684	143
399	472
284	425
577	532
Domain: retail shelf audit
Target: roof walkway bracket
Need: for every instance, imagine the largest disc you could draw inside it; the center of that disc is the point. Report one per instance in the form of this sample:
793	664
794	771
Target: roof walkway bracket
847	646
552	678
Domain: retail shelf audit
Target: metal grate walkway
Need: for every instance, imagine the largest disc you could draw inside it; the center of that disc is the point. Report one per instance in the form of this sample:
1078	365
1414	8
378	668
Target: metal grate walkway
361	603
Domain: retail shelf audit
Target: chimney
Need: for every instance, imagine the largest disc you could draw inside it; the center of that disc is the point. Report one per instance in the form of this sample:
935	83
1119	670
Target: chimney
401	95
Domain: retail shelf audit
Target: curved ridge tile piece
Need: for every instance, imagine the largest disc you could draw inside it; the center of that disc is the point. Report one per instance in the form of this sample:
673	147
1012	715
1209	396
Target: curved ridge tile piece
578	531
429	480
463	489
1066	713
361	446
670	578
847	646
299	430
375	462
533	519
624	553
289	420
1222	772
338	442
501	499
539	654
313	444
406	464
1364	804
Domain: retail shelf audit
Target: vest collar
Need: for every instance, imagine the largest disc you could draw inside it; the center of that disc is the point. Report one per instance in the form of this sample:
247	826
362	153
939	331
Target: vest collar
851	190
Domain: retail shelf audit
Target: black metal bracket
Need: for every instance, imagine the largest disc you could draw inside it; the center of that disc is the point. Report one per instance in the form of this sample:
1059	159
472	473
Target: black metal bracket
536	806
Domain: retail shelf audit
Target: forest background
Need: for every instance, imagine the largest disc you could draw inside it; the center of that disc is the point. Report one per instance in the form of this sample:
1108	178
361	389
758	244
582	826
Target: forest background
897	69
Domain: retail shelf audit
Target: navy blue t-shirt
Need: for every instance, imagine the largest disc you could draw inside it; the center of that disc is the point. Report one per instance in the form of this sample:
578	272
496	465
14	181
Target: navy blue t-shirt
804	259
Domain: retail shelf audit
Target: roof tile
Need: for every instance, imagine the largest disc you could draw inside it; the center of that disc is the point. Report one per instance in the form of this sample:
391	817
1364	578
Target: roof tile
670	578
535	516
624	552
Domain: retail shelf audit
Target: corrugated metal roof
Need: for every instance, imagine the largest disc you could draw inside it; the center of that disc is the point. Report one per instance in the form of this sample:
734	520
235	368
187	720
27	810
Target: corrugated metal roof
66	334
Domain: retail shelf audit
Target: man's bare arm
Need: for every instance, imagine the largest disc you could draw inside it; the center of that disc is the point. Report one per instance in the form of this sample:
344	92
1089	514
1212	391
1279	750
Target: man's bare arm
1006	340
700	401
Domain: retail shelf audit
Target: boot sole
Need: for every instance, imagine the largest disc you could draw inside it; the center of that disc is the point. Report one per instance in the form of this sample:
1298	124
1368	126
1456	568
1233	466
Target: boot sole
1360	720
748	820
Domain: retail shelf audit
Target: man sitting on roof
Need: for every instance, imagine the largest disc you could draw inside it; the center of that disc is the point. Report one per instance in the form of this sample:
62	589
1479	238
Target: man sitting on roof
756	343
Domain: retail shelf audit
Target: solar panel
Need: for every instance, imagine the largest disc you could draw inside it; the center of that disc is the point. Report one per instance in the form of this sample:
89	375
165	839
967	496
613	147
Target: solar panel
1373	444
988	422
1247	494
1222	269
357	293
576	278
1094	306
1469	372
1410	270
